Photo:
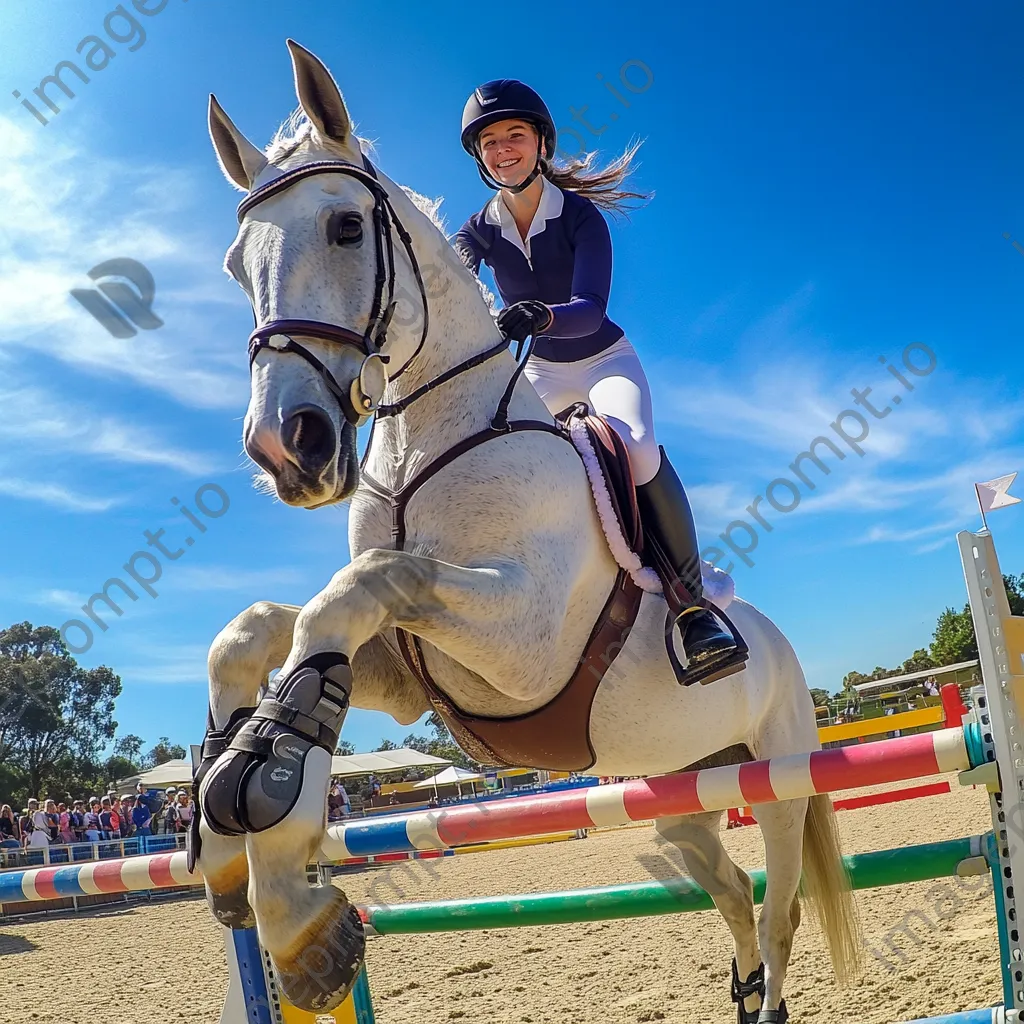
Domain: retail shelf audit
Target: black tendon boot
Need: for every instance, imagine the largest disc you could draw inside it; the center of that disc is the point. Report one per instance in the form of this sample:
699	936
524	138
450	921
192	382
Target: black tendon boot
667	520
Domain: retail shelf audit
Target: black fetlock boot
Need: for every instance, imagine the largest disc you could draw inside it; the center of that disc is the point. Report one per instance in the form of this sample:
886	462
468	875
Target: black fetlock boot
668	522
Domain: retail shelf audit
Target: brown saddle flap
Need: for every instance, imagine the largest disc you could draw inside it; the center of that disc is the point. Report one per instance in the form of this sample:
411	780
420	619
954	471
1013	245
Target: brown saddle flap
555	737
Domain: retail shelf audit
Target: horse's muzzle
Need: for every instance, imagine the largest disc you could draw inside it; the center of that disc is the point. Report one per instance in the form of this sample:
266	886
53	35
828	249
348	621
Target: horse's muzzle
310	463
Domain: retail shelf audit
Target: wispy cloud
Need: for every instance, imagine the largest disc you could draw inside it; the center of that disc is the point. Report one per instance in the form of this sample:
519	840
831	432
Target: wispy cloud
166	665
32	416
59	600
54	494
920	460
63	215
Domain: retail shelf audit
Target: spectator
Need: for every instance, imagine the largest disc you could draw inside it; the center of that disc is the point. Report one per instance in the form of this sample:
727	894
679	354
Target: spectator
169	812
38	827
184	811
140	790
10	833
127	822
65	831
142	817
109	822
115	817
92	821
52	821
77	821
341	796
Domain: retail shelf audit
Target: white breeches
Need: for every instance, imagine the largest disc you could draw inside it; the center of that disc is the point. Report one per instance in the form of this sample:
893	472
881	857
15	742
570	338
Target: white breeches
613	384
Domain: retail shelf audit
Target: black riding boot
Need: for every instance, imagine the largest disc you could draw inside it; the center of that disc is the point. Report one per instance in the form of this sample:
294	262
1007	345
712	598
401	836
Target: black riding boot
667	519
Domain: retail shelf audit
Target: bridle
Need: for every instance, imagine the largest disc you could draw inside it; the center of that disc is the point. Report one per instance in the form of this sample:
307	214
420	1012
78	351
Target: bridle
363	398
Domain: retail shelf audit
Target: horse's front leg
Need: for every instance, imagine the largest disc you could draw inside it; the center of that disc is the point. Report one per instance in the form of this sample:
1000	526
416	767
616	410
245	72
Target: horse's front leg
279	764
240	659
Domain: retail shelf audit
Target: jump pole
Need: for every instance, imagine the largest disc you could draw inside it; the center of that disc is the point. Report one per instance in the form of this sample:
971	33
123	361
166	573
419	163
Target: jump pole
781	778
680	894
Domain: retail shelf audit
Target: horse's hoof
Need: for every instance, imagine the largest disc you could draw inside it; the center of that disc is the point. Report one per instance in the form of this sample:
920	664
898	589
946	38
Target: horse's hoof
232	908
779	1016
323	968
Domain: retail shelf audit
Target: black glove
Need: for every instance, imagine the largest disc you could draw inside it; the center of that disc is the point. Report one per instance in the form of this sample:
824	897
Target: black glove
518	321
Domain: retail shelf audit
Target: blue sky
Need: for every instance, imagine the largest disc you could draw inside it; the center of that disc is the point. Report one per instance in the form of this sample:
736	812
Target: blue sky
832	184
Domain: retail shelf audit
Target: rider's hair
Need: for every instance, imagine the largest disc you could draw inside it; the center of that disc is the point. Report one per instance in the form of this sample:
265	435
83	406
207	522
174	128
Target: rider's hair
601	187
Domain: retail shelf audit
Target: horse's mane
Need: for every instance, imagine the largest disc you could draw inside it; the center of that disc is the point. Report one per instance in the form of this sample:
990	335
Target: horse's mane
297	129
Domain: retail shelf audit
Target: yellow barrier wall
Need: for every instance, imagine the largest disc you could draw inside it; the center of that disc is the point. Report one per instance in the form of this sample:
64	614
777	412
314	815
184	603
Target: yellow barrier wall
885	723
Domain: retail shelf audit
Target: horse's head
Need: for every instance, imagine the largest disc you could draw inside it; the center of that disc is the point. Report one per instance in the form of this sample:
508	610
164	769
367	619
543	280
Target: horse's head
326	255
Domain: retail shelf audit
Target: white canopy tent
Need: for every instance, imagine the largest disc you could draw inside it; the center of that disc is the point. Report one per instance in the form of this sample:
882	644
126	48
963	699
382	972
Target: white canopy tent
901	682
176	772
381	762
453	776
449	777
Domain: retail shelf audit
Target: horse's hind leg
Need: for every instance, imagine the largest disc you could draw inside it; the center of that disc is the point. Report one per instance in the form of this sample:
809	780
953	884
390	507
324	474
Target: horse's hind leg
782	825
241	657
696	836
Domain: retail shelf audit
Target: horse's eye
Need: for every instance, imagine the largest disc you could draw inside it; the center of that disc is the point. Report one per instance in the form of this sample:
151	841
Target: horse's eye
344	229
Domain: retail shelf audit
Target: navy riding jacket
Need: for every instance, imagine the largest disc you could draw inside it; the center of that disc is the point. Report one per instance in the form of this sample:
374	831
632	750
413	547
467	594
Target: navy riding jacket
565	262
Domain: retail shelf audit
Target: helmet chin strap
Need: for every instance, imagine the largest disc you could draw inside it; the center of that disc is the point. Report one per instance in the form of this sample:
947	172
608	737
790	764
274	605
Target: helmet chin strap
538	168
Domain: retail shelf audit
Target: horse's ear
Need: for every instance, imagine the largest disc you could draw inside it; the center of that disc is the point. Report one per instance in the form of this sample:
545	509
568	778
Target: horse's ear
239	159
319	95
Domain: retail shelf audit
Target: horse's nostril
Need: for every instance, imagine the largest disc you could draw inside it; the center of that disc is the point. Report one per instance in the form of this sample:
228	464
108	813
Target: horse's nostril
309	434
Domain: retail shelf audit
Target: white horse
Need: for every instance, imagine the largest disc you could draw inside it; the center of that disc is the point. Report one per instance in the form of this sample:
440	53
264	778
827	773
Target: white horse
503	573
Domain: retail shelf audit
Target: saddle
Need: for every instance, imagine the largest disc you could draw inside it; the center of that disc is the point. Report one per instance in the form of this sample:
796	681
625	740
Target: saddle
611	480
556	736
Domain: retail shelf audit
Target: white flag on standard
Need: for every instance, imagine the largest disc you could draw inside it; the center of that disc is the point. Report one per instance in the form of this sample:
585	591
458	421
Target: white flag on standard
994	494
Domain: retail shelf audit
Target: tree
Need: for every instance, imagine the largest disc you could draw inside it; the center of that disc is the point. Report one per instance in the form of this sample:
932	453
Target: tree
954	640
129	748
1015	593
819	696
919	661
345	748
386	745
126	760
164	750
52	711
440	745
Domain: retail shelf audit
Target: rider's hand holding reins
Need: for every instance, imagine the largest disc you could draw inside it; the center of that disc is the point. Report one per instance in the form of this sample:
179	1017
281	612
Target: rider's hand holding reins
518	321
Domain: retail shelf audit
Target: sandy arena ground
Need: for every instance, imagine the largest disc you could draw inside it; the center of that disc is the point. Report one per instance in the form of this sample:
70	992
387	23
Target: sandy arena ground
164	962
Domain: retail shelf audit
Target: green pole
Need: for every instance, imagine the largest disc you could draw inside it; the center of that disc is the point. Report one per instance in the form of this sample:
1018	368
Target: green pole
646	899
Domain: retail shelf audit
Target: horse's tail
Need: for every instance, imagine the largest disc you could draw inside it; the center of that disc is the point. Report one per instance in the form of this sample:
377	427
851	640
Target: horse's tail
827	888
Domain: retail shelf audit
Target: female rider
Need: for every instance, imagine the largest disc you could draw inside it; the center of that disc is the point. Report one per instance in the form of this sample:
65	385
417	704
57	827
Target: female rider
551	254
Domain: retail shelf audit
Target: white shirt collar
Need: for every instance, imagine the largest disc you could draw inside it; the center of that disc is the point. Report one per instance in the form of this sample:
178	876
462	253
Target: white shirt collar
550	207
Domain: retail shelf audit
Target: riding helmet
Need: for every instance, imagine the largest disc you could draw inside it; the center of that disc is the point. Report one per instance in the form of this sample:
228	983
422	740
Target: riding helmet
501	100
